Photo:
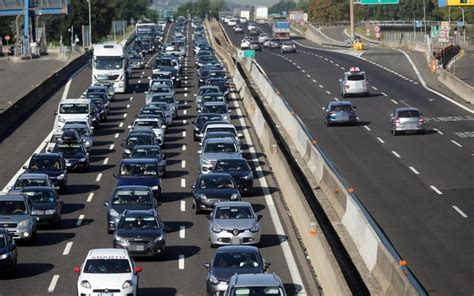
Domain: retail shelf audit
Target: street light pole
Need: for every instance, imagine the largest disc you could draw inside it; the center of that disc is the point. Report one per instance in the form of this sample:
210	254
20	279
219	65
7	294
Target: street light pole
424	14
463	25
351	12
90	24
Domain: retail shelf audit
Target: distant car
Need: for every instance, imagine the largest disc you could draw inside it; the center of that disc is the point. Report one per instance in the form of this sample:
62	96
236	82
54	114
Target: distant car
214	127
138	138
230	260
255	46
207	89
339	112
75	154
107	271
46	205
354	82
234	223
218	97
131	197
240	170
222	83
288	46
217	108
251	26
245	43
215	149
85	133
263	37
52	164
238	29
153	152
16	217
255	284
8	252
201	120
141	233
232	22
136	61
407	119
154	124
243	20
140	171
31	179
210	189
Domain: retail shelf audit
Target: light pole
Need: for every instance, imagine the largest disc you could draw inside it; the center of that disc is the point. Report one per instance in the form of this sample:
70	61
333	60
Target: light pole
424	14
90	24
352	18
463	25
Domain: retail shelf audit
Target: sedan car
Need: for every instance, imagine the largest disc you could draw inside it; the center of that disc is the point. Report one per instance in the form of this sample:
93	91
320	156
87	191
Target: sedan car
238	29
339	112
51	164
75	154
154	124
136	138
8	252
210	189
217	108
16	217
208	89
255	284
128	197
152	152
255	45
46	205
30	179
240	170
354	82
405	120
141	233
140	171
215	149
230	260
221	83
233	223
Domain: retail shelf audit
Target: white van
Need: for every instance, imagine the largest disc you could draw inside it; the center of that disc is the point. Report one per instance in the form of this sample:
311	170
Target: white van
72	109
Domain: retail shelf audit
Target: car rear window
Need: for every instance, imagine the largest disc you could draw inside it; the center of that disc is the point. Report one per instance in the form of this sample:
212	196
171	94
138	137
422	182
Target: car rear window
356	77
107	266
408	113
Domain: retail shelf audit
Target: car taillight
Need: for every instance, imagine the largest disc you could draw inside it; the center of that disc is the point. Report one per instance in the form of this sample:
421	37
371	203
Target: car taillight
397	120
421	119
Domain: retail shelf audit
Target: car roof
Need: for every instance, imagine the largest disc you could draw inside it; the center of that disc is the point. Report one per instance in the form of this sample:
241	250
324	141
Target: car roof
214	103
146	119
233	204
140	213
220	140
97	87
138	160
407	109
46	155
37	188
208	86
74	100
141	187
213	174
33	175
340	103
256	280
10	196
220	125
109	253
74	125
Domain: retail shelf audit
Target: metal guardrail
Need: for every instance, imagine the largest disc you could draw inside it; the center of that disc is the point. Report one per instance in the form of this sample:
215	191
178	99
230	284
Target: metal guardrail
398	23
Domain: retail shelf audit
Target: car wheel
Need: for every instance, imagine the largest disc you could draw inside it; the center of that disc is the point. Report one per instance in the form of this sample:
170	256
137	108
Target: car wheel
197	210
57	223
211	245
394	132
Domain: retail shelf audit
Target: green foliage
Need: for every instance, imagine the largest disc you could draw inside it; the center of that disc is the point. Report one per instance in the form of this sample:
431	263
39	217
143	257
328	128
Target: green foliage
283	5
201	8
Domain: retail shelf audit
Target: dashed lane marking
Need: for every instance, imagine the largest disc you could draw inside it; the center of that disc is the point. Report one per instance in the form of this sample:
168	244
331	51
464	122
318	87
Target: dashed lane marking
184	147
182	206
396	154
106	161
80	220
67	249
380	140
367	128
181	262
393	101
436	190
182	231
184	134
456	143
116	135
460	212
183	164
53	283
183	183
121	124
438	131
90	197
99	176
124	115
111	147
414	170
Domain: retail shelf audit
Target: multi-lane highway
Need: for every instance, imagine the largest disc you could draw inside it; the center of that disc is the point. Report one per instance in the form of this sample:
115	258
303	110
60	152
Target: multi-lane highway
419	188
46	266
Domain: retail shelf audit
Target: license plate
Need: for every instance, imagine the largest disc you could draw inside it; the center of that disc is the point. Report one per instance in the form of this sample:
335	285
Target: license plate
68	164
106	294
344	117
137	247
235	241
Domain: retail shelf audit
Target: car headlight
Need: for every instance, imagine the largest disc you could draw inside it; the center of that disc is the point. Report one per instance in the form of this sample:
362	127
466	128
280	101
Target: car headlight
127	284
225	117
213	280
24	223
255	228
196	128
50	212
249	176
127	151
235	196
201	196
155	187
160	238
60	119
4	256
61	177
86	284
36	212
114	213
82	159
120	239
215	229
87	143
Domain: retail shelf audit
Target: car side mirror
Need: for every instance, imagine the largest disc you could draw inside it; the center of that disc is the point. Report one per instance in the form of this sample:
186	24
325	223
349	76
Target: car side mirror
106	204
209	216
340	80
55	112
207	265
259	217
115	175
267	265
25	167
77	269
240	136
129	126
199	151
193	186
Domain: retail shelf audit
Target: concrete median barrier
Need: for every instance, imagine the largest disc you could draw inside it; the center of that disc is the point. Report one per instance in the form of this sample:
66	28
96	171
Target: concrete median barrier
377	261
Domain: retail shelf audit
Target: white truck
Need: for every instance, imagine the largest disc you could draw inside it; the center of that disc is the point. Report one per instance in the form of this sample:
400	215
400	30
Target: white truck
110	65
261	14
244	16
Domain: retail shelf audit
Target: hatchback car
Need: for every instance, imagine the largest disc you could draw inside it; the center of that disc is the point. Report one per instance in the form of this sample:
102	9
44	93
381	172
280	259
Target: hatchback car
46	205
354	82
140	171
208	89
339	112
230	260
85	134
255	45
16	216
234	223
153	152
128	197
221	83
75	154
138	138
141	232
210	189
407	119
238	29
8	252
255	284
288	46
217	108
155	124
30	179
51	164
215	149
240	170
201	121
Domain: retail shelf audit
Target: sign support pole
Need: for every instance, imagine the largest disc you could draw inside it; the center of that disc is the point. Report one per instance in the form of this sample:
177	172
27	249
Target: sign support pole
351	8
26	30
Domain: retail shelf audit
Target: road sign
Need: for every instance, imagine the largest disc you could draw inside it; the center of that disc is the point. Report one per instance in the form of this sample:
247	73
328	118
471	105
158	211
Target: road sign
460	2
249	53
418	24
376	2
377	29
377	35
7	37
460	24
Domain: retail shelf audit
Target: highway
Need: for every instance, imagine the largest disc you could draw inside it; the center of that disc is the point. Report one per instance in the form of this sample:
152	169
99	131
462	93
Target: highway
46	266
419	188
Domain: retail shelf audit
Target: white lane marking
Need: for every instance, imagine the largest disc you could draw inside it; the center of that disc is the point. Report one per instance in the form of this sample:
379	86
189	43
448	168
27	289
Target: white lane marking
393	101
336	99
184	134
67	249
80	219
374	88
181	262
111	147
185	94
90	197
384	94
99	176
124	115
342	68
185	102
307	75
121	124
328	92
183	182
185	122
116	135
184	147
298	67
414	170
182	206
53	283
186	77
183	164
459	211
139	81
185	112
185	82
436	190
396	154
185	89
320	86
380	140
182	231
106	161
304	71
331	61
337	65
128	105
438	131
456	143
367	128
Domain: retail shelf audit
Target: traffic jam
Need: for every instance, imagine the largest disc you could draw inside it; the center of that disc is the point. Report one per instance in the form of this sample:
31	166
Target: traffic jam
136	228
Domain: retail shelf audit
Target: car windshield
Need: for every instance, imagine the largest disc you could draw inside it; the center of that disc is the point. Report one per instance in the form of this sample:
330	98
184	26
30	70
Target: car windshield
138	223
235	212
159	88
219	109
408	113
236	260
72	108
232	165
220	148
102	63
288	43
356	77
146	123
161	76
221	129
107	266
139	140
216	183
207	90
40	196
219	74
138	169
24	182
205	118
12	207
131	197
216	82
212	99
163	62
257	291
3	240
67	148
44	164
146	153
166	99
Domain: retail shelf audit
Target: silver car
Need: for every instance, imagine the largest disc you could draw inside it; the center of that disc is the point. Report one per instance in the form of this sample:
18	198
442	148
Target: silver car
407	119
216	108
340	112
287	46
354	82
234	223
208	89
255	284
215	149
15	216
84	133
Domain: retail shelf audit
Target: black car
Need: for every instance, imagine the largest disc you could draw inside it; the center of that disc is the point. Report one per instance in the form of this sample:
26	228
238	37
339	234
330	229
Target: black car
151	151
142	233
230	260
137	139
219	82
74	153
51	164
203	73
212	188
46	205
8	252
140	171
96	116
128	197
201	121
152	112
240	170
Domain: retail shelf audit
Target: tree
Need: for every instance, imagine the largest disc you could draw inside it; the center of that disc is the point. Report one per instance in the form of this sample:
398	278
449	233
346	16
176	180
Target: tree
283	5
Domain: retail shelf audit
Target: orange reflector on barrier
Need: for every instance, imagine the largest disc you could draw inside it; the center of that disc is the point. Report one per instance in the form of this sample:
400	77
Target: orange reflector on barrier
312	232
350	189
314	142
403	262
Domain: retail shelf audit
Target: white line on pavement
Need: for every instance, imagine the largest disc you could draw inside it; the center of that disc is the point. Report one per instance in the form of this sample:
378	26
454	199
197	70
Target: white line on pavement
80	219
111	147
436	190
374	88
183	182
128	105
183	164
393	101
121	124
181	262
183	206
116	135
380	140
185	94
53	283
185	112
99	176
184	134
90	196
320	86
328	92
367	128
106	161
456	143
314	80
438	131
182	231
396	154
414	170
184	147
124	115
384	94
459	211
185	122
67	249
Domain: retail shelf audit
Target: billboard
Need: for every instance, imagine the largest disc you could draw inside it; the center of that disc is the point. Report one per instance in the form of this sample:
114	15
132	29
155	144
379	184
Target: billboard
460	2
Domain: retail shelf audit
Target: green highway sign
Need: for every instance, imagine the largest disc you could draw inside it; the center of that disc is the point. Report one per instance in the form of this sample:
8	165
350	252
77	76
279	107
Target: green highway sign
249	53
375	2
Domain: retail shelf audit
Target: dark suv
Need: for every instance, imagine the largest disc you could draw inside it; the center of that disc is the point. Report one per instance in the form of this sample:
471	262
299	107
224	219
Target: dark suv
51	164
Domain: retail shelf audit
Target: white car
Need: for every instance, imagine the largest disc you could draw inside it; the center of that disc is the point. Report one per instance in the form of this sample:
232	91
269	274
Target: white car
263	37
73	109
107	272
251	26
232	22
155	124
243	20
245	43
